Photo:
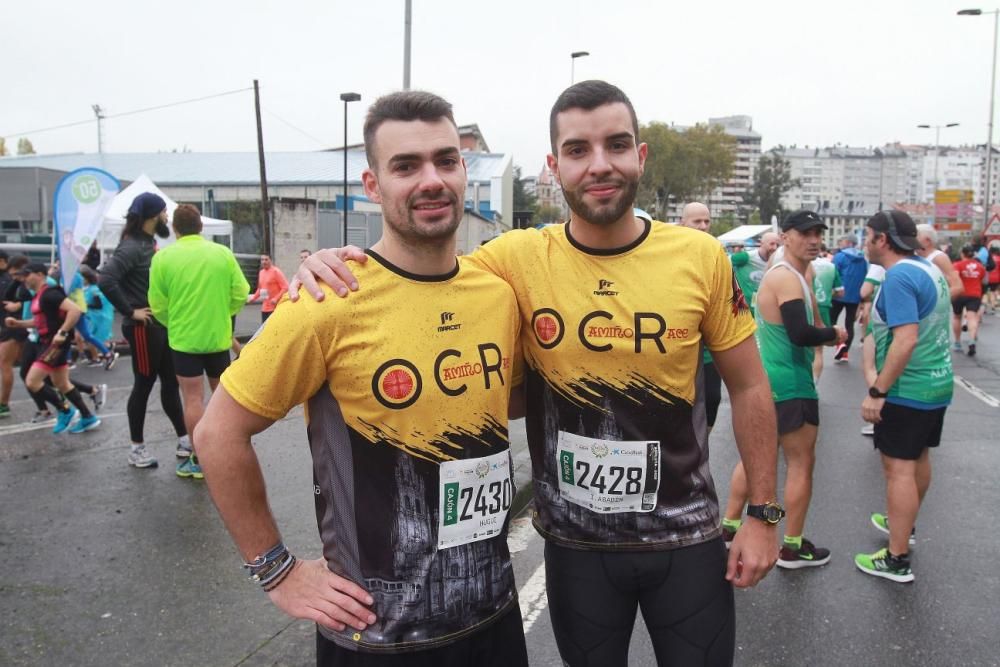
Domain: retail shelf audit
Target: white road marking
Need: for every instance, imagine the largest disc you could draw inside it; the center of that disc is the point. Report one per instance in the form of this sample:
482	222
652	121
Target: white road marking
519	533
532	598
977	392
14	429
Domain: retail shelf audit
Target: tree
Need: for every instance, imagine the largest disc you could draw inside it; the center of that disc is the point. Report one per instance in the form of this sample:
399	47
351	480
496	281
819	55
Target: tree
771	180
3	147
722	224
683	165
523	199
24	147
548	214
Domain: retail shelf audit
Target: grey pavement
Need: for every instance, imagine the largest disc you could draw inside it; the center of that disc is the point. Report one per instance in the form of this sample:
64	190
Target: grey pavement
108	565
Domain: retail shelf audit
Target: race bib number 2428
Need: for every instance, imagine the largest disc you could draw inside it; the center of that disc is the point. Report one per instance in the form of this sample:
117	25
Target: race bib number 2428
608	476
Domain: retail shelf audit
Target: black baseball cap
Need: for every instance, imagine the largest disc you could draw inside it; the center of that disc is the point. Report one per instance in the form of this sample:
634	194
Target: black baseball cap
33	267
898	226
802	221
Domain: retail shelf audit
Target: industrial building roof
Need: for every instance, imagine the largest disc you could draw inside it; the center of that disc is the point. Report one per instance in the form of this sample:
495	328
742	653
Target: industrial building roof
291	168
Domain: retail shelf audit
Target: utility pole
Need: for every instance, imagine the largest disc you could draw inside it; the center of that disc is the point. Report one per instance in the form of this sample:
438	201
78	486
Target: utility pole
407	27
264	202
99	112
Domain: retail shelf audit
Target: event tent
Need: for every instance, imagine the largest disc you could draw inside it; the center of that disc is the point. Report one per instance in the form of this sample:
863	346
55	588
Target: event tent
743	234
114	218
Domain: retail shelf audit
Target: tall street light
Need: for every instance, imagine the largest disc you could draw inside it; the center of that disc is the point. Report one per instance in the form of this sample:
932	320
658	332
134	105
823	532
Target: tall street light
937	146
989	141
346	97
572	64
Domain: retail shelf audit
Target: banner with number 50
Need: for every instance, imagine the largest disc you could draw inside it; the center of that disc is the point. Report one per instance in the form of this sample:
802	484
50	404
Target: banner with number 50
82	197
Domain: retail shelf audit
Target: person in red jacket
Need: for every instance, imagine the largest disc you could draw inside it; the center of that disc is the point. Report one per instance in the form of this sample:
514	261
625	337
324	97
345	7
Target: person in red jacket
271	285
972	272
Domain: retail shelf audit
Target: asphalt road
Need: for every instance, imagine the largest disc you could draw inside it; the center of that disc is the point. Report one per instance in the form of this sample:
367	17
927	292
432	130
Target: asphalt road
108	565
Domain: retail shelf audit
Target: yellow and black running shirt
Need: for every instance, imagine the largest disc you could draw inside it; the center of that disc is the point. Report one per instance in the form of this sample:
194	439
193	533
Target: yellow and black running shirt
406	385
612	343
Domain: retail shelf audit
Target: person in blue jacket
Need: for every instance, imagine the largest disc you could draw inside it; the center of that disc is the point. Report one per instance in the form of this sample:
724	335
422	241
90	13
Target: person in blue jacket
853	267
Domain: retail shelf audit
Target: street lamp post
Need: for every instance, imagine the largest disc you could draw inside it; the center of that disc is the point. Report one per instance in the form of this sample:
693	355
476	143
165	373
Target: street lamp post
572	64
937	147
346	97
989	140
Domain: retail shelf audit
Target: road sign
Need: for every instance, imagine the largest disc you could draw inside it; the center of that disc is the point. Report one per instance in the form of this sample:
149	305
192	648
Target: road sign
994	228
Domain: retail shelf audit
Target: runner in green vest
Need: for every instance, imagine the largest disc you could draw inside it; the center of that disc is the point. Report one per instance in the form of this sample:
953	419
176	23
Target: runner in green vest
750	265
826	285
786	335
909	395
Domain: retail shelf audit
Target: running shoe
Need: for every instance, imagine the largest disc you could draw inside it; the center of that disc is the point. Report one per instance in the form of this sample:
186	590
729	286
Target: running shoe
840	356
138	457
808	555
110	359
184	449
41	416
64	419
4	411
86	424
881	521
972	350
100	396
956	346
189	468
868	429
881	564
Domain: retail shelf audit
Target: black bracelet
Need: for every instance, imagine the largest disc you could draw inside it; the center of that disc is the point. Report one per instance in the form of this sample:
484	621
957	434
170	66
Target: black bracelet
271	585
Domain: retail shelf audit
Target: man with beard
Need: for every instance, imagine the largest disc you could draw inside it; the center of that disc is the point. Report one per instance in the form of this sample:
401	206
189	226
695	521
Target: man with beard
786	335
125	282
614	310
407	395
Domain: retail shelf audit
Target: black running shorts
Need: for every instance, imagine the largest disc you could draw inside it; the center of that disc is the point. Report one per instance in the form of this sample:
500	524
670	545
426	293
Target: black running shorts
498	645
212	364
686	602
795	412
904	432
969	303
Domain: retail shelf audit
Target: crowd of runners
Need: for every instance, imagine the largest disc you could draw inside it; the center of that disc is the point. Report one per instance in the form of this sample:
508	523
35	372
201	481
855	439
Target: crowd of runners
611	334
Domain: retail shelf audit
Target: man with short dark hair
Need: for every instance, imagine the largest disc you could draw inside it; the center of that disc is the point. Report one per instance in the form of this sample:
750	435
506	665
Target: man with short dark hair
125	282
913	387
788	328
965	309
614	310
271	286
407	393
303	254
195	288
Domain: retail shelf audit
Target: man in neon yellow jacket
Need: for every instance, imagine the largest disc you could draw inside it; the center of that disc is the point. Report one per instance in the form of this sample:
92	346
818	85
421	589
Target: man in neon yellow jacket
195	289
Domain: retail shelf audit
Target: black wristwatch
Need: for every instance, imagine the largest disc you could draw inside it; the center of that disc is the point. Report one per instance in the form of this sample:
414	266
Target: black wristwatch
770	512
875	393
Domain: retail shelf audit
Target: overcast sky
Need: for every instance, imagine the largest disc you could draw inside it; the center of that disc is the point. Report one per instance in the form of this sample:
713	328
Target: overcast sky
809	73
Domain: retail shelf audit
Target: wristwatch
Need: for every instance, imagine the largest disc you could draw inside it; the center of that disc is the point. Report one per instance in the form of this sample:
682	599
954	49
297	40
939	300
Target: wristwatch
770	512
875	393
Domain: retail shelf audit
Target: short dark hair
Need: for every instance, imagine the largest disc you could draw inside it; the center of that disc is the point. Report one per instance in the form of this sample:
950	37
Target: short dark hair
187	220
3	255
588	95
406	105
17	262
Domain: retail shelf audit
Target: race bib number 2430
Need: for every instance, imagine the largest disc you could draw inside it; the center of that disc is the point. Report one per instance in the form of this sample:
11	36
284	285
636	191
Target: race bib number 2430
608	476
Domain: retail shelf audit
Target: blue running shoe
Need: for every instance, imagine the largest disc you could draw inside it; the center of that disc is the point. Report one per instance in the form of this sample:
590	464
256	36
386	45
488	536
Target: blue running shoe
64	419
189	468
86	424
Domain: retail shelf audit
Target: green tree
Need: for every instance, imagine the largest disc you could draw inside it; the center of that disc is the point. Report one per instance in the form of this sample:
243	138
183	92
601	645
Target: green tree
547	214
683	165
24	147
523	199
3	147
722	224
772	179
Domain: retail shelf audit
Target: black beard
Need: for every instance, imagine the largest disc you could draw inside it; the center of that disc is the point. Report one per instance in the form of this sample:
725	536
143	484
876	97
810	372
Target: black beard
608	216
162	230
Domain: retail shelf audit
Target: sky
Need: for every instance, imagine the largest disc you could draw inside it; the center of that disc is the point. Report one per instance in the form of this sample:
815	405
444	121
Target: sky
808	72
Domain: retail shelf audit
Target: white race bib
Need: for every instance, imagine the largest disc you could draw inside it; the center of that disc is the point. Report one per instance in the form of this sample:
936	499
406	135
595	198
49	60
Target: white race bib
608	476
475	497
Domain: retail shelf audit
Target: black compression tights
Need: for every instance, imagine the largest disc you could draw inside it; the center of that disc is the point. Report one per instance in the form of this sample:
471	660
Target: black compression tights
685	600
151	358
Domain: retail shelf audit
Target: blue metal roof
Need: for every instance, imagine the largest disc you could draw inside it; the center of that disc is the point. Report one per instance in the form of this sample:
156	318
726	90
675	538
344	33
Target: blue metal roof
283	168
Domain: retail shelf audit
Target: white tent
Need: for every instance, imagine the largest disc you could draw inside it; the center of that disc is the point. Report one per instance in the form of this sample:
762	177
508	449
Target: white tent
743	233
114	218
